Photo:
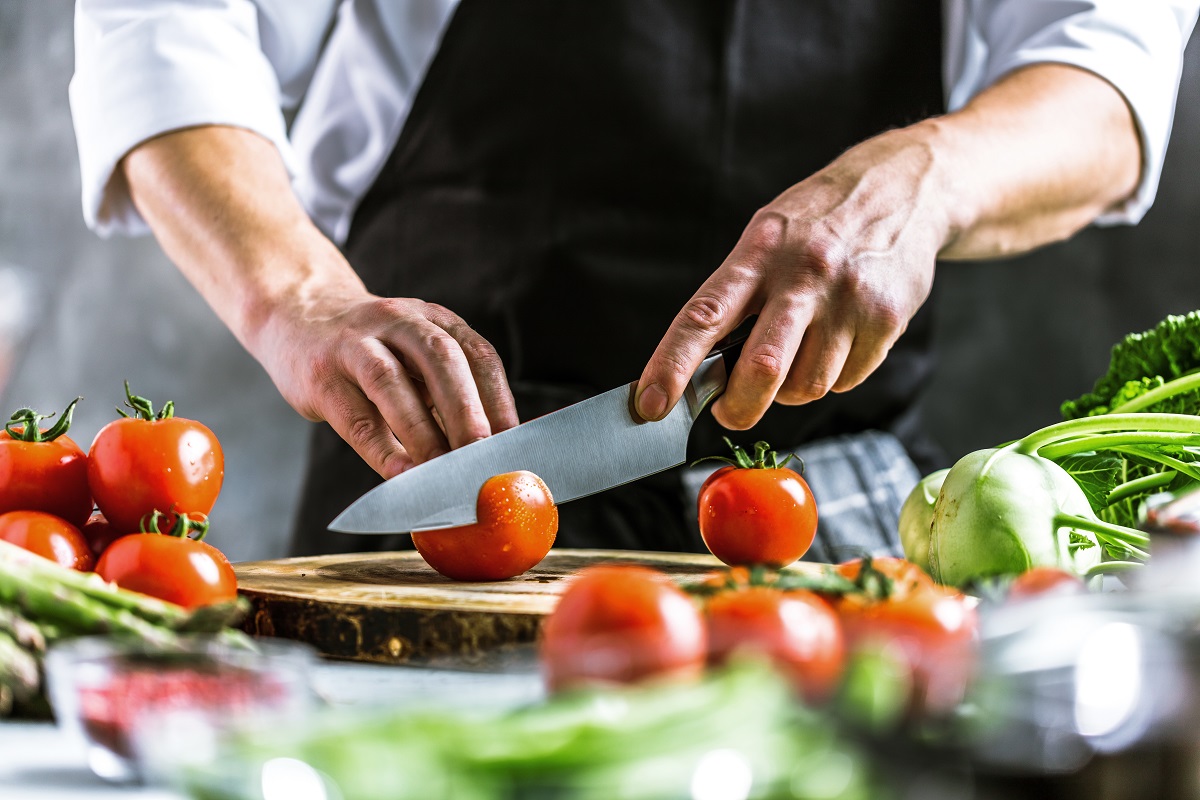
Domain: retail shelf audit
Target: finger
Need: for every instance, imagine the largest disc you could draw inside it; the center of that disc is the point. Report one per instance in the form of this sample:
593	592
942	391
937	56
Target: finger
441	363
866	354
386	383
488	372
763	365
818	364
713	312
358	421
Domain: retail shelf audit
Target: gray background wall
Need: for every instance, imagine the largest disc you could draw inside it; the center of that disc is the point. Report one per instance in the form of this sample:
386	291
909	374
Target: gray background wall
1015	337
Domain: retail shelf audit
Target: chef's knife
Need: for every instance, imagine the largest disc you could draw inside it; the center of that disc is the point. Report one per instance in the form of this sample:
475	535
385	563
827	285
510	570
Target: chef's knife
579	450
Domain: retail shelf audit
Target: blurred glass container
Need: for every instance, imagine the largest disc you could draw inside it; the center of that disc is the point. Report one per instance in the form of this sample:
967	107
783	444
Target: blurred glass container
1099	694
129	701
18	300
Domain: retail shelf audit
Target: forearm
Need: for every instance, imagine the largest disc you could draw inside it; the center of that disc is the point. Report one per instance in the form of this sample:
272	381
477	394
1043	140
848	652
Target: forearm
1032	160
222	208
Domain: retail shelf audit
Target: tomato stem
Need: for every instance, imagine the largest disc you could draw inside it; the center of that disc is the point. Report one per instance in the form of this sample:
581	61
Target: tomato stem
143	408
764	457
24	424
183	528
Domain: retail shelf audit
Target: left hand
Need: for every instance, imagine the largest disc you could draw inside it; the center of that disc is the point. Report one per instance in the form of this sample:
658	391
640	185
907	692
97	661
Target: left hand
834	267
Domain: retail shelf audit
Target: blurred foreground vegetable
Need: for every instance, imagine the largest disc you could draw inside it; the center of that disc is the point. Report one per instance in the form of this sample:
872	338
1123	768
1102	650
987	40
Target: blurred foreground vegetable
735	734
42	602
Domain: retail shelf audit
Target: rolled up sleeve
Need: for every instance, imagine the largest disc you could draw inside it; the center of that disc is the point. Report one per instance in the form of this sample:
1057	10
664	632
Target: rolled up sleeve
1137	46
145	68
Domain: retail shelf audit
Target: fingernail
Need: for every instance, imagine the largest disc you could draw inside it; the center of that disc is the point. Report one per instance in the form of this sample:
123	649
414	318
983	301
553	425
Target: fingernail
652	404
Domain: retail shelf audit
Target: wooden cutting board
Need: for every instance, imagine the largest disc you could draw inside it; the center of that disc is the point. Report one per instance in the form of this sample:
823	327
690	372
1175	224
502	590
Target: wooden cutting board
393	608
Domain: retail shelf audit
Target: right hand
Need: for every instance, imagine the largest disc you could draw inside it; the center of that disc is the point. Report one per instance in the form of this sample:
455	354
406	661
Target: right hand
401	380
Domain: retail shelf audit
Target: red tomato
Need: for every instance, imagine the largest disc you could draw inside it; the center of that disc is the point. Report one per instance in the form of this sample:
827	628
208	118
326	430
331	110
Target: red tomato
47	535
100	533
177	569
798	630
756	513
621	624
1041	581
43	470
152	462
934	631
517	525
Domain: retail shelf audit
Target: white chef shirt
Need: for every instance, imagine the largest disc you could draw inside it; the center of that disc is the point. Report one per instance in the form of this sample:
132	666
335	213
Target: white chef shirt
348	71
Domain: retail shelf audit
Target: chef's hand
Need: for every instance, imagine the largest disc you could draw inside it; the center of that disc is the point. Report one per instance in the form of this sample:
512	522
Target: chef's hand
401	380
837	265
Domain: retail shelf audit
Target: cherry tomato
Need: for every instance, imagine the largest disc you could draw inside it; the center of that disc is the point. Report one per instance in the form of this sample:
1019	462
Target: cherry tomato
47	535
517	525
757	513
1042	581
150	462
177	569
905	578
935	632
43	470
621	624
798	630
100	533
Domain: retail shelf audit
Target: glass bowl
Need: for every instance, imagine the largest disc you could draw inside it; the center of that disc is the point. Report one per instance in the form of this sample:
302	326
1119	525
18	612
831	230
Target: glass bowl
132	703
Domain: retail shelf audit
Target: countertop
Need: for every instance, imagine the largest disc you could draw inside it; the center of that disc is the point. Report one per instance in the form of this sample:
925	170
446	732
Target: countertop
40	762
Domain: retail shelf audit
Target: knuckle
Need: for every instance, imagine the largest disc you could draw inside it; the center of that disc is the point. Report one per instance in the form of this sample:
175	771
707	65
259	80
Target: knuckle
379	375
766	231
361	432
704	312
440	347
766	362
798	391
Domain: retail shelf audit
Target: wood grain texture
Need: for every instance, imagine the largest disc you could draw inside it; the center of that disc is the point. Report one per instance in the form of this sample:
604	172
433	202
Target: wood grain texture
393	608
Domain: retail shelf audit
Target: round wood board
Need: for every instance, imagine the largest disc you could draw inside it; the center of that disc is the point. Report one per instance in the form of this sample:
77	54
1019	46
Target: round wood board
393	608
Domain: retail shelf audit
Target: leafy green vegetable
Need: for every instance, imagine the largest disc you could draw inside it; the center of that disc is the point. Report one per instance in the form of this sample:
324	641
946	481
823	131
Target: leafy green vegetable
1146	362
642	743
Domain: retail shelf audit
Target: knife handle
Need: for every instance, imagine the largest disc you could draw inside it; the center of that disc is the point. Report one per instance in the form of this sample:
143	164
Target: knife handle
713	375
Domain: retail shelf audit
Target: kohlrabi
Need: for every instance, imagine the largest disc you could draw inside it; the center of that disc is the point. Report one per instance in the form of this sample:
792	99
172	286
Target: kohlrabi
1004	510
916	517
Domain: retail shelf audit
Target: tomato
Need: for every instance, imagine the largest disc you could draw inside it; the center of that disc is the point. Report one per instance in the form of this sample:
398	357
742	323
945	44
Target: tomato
43	470
621	624
934	631
1042	581
517	525
47	535
904	579
150	462
174	568
798	630
100	533
757	512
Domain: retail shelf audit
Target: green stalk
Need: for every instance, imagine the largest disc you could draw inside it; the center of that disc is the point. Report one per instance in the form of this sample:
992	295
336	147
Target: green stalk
1146	483
1105	567
1170	462
1109	441
1188	383
19	565
1118	534
1107	423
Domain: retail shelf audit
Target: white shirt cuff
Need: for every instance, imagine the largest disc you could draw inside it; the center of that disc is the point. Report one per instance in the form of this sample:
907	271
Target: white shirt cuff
148	75
1139	50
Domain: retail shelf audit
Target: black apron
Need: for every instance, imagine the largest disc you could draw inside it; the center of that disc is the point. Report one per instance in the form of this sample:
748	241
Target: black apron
571	171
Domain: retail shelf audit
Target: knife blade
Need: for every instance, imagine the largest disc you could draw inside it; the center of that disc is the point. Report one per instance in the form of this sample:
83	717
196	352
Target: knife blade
579	450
